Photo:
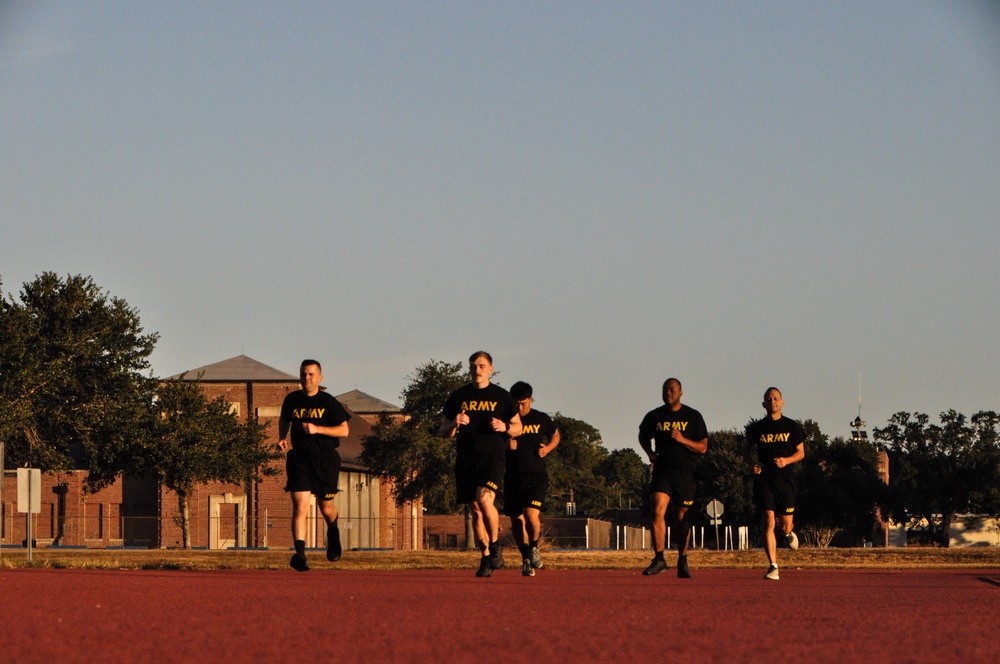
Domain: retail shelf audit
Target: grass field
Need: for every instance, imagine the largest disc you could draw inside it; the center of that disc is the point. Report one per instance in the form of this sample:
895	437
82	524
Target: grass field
805	558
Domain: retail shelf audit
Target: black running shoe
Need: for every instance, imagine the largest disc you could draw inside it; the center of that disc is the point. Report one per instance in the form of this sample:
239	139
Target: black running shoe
333	550
496	555
683	572
484	567
298	563
655	567
526	568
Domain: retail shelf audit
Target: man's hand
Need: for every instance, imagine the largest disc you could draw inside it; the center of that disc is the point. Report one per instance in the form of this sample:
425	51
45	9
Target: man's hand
284	445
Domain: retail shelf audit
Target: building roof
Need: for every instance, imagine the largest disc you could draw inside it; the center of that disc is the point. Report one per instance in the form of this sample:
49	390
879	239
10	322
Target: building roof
239	369
361	402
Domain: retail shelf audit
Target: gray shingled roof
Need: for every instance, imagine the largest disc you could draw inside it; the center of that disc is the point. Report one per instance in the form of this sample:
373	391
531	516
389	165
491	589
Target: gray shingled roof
360	402
238	369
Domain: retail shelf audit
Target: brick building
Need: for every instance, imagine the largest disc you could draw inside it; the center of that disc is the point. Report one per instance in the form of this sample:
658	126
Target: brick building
139	512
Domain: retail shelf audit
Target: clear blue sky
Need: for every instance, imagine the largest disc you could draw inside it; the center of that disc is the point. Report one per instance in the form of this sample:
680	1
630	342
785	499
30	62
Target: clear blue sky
602	195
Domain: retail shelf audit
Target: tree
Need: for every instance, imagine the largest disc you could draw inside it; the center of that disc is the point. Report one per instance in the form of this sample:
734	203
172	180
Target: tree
625	478
724	476
941	470
839	488
410	454
74	389
573	467
199	441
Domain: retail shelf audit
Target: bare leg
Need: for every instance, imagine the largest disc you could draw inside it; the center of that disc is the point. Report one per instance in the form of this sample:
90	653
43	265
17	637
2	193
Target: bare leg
770	541
660	503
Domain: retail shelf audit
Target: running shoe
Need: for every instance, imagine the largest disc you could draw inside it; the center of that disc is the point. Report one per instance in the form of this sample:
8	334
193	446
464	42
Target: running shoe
333	549
536	558
496	555
484	567
683	571
655	567
792	540
526	568
772	573
298	563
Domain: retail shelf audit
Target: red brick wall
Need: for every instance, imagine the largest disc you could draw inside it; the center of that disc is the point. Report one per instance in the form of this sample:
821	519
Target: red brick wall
121	514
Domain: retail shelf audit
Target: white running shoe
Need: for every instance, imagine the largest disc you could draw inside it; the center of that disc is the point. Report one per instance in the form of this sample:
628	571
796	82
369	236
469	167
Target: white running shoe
772	573
792	540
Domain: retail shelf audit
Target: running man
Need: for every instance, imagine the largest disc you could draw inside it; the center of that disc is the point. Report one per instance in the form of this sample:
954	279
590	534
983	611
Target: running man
481	415
673	436
779	442
316	422
526	479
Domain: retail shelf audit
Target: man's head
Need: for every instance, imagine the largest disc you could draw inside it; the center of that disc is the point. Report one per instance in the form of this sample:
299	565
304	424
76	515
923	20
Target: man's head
310	376
480	368
773	403
672	393
521	392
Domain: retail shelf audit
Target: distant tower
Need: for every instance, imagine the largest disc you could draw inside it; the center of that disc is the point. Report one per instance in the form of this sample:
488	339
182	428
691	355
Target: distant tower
858	424
859	433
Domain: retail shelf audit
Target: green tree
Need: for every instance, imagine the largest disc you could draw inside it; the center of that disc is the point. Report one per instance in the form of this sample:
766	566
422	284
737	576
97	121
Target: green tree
574	467
625	478
200	440
940	470
410	454
723	475
839	488
74	385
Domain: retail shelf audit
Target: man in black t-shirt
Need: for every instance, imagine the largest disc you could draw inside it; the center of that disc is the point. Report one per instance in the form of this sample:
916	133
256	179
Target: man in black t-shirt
481	415
779	442
673	436
526	479
311	425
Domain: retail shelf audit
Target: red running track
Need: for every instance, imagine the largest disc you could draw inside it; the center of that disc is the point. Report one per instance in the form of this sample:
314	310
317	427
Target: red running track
53	615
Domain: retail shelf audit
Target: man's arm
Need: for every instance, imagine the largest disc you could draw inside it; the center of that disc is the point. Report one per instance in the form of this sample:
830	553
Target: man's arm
449	428
748	457
798	455
284	444
553	443
337	431
699	446
514	428
646	443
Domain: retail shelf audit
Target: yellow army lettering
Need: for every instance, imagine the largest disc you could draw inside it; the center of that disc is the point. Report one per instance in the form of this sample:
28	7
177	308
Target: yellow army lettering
667	426
775	437
479	405
308	413
531	428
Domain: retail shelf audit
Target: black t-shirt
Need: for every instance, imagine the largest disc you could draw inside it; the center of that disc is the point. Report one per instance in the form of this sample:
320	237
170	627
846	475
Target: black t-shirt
657	426
538	428
321	409
773	439
481	405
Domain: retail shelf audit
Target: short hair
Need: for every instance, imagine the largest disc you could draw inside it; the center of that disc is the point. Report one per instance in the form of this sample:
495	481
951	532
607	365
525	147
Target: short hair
306	363
675	380
520	391
478	354
775	389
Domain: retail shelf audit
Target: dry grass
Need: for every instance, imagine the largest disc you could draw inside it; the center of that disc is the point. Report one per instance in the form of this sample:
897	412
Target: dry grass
805	558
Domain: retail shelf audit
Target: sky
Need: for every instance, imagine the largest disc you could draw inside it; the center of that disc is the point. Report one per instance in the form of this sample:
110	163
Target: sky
600	194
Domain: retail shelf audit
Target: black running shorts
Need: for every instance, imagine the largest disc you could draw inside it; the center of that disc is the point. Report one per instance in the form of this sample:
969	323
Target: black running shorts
774	494
318	474
477	470
523	490
678	483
